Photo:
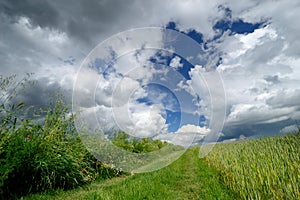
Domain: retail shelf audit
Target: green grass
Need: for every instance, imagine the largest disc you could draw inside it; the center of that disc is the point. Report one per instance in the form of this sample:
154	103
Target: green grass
187	178
268	168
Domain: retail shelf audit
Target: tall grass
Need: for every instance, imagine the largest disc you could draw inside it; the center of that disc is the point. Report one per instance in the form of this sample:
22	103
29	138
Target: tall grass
268	168
41	156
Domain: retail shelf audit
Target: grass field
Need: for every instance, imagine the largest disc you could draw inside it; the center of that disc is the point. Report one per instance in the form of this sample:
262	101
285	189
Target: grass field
268	168
186	178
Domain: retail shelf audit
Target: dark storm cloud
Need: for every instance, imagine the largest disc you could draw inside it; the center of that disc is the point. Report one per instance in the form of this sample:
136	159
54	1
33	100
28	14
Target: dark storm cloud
83	20
254	130
27	48
41	94
40	13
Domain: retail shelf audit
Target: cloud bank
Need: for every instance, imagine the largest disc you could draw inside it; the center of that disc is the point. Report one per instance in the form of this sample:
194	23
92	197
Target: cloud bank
254	45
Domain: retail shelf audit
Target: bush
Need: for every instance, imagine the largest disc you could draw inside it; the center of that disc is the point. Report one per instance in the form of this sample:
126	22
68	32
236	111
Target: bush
41	156
134	145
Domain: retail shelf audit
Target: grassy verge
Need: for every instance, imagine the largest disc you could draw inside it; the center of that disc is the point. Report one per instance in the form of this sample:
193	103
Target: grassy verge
186	178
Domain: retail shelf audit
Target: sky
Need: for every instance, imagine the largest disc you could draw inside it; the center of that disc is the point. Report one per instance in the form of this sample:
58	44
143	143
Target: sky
174	70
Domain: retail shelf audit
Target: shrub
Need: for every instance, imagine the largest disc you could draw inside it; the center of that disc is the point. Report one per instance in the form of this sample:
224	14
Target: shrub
41	156
144	145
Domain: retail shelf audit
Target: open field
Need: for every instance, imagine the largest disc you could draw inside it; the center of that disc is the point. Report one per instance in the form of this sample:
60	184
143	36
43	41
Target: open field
267	168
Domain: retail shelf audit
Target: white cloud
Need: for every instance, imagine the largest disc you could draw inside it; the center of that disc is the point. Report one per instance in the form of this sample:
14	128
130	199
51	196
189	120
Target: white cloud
147	120
136	119
257	114
193	14
185	135
282	14
115	104
237	45
175	62
190	128
259	78
137	66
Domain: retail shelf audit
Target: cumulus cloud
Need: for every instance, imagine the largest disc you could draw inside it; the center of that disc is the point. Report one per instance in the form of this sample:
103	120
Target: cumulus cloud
259	80
189	128
115	105
186	135
136	119
257	114
260	70
116	89
175	62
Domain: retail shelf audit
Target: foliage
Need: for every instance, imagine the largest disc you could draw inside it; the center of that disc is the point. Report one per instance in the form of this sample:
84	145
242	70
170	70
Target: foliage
144	145
268	168
40	156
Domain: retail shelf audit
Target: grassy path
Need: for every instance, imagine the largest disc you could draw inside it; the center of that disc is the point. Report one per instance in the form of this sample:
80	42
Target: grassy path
187	178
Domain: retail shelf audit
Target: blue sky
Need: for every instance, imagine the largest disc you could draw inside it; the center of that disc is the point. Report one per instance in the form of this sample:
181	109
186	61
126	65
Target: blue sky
253	46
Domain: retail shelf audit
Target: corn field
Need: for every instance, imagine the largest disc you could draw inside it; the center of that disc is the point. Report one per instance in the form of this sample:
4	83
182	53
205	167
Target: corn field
268	168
